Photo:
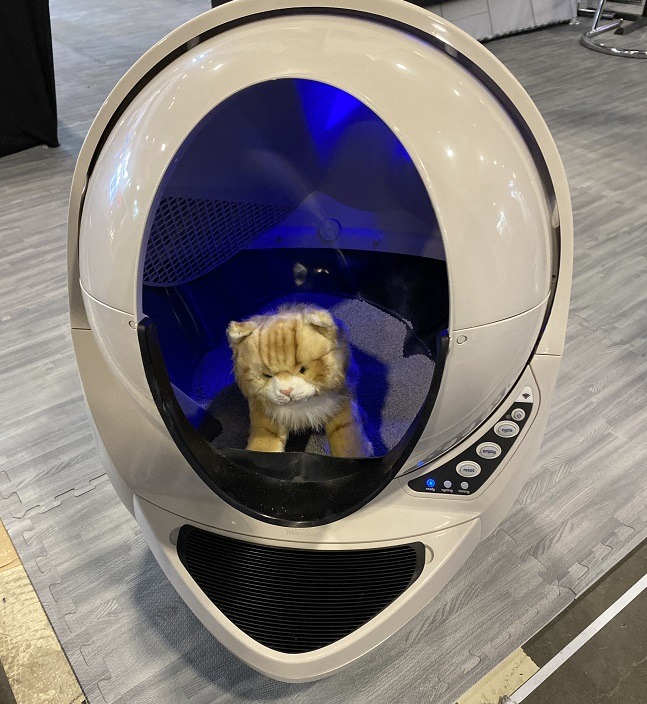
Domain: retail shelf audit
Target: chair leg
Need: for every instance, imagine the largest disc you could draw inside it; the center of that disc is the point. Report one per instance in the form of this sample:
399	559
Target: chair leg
597	28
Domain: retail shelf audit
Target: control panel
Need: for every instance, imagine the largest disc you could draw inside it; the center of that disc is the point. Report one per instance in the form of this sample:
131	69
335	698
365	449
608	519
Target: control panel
467	472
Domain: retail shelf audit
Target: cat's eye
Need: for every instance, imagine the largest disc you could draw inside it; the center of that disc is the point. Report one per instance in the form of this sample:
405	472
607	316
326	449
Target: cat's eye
302	370
267	376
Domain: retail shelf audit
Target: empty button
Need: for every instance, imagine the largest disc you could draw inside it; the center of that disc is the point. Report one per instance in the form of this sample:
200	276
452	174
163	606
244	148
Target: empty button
447	484
488	450
465	485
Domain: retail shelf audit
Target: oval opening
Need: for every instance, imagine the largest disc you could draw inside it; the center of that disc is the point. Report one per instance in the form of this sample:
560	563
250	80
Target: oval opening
291	192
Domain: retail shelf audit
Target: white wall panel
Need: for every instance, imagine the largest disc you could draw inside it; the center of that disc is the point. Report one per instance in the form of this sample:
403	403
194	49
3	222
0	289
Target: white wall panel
483	19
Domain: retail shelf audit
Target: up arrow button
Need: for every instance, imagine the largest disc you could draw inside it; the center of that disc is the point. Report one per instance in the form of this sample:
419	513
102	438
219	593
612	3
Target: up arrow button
525	396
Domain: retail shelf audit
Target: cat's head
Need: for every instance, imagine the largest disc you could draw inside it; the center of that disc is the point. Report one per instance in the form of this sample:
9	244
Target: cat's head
290	356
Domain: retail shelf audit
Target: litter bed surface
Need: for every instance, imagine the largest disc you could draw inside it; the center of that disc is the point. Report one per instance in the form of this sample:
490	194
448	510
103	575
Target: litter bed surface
392	374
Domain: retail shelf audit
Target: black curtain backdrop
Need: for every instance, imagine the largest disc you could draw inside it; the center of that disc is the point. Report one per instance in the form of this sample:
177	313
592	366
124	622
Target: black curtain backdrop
27	96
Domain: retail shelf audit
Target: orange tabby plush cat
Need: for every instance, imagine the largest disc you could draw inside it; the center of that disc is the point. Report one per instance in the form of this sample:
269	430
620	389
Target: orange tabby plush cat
292	368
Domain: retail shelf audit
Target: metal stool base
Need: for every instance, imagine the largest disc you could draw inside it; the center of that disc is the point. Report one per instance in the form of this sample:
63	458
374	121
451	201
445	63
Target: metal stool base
637	22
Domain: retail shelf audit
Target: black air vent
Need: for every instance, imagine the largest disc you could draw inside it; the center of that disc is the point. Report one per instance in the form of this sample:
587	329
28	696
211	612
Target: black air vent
294	600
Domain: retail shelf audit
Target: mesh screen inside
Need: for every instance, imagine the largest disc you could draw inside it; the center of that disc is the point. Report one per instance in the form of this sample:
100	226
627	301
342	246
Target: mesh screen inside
192	236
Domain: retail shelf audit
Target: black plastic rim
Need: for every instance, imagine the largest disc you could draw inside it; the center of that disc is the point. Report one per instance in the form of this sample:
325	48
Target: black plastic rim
289	488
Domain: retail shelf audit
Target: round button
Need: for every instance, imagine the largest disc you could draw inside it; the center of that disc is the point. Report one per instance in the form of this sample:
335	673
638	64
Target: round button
465	485
468	469
447	484
329	230
506	429
431	483
518	414
488	450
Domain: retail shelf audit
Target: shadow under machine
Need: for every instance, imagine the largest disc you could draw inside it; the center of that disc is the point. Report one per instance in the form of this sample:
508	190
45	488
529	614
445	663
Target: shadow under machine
368	158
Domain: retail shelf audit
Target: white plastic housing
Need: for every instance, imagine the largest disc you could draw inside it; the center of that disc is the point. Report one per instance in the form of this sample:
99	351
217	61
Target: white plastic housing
491	204
505	221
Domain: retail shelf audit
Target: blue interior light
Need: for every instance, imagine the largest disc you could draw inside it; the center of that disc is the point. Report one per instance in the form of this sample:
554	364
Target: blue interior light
329	111
342	107
326	107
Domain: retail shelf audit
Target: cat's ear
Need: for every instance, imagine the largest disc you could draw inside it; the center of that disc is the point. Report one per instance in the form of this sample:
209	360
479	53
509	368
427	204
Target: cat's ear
323	322
237	332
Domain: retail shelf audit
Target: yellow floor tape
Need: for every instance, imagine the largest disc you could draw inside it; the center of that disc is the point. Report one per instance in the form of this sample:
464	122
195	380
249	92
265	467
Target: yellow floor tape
32	657
502	681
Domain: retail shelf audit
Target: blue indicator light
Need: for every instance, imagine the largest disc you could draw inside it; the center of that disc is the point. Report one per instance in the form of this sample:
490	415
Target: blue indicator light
431	483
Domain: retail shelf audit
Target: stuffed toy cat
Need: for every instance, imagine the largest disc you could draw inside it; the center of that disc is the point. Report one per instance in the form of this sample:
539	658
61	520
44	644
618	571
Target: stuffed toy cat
292	367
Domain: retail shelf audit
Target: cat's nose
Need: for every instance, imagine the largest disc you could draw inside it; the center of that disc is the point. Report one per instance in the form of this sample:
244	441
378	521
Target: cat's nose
287	392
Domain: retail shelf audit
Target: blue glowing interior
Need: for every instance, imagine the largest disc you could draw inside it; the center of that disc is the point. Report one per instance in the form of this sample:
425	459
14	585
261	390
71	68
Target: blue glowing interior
328	111
291	188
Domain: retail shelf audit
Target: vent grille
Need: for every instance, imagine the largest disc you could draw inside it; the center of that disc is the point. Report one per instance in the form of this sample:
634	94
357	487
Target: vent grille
294	600
192	236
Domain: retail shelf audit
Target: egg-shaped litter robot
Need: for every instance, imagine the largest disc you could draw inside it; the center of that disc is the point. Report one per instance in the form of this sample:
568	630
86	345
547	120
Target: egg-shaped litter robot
373	160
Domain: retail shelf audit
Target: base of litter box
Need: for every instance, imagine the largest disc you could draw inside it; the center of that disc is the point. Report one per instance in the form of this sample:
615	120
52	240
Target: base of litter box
392	374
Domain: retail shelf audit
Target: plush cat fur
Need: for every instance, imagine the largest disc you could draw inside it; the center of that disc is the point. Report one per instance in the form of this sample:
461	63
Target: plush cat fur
293	366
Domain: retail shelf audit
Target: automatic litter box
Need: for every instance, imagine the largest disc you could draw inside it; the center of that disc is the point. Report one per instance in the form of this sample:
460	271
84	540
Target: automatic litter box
369	158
